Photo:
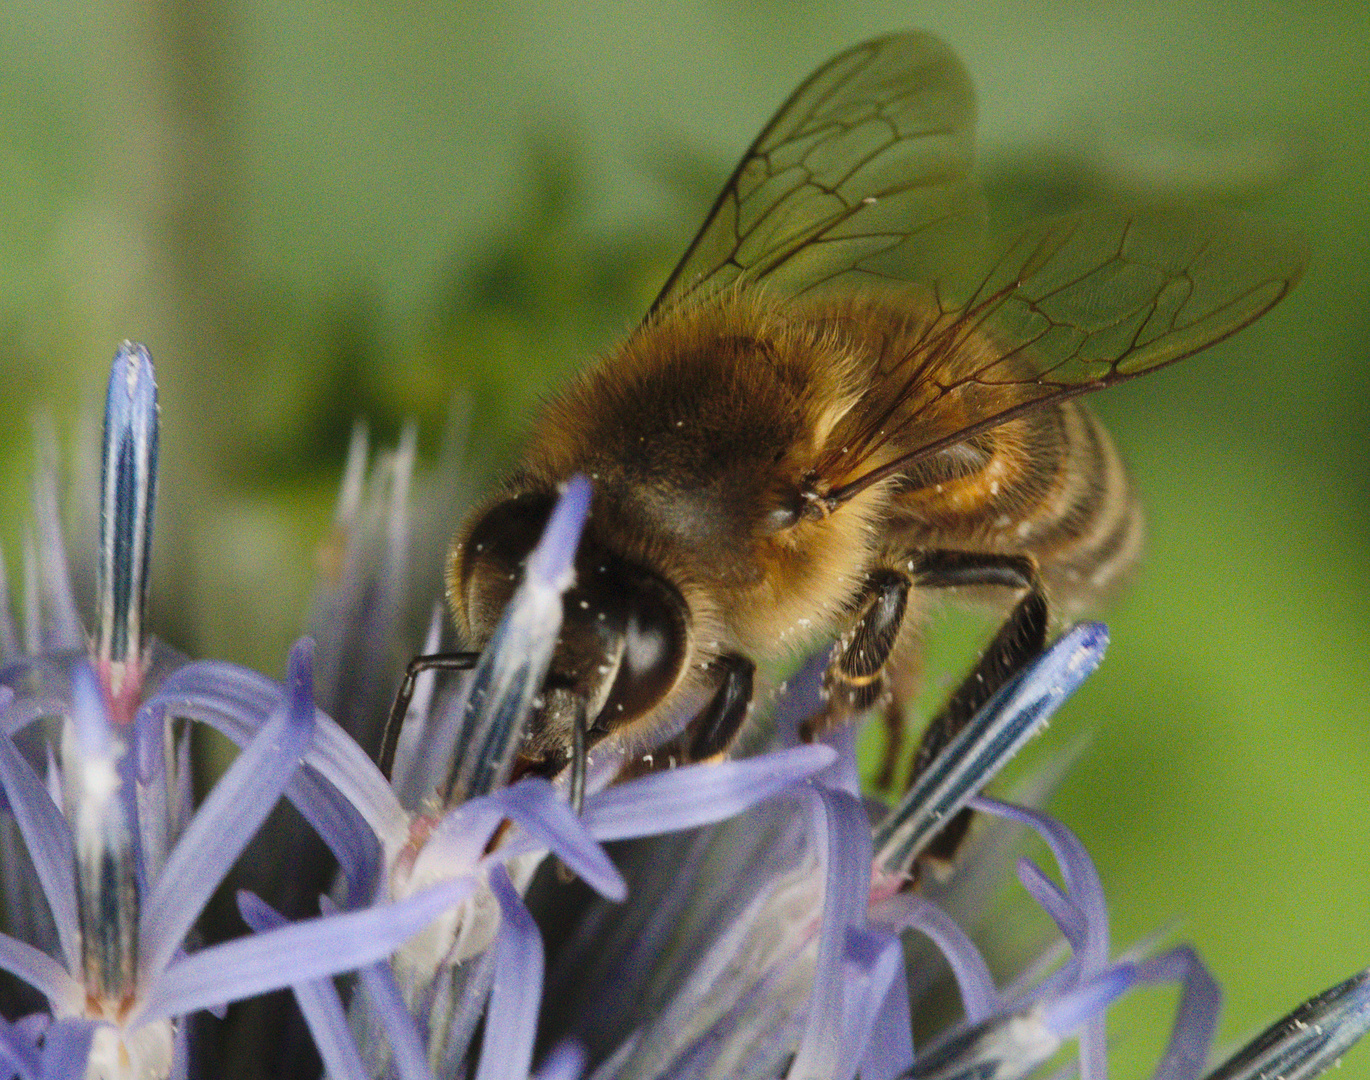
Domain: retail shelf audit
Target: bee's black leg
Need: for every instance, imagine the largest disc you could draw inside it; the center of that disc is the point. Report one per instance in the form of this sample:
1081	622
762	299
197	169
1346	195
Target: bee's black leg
712	731
855	679
892	719
579	764
1019	640
390	739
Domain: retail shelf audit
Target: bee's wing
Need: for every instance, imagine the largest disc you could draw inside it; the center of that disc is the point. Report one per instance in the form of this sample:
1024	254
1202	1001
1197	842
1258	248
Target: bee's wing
1069	306
864	166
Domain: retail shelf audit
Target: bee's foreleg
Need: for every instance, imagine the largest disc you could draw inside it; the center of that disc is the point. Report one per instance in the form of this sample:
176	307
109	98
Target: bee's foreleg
1019	640
712	731
579	764
390	737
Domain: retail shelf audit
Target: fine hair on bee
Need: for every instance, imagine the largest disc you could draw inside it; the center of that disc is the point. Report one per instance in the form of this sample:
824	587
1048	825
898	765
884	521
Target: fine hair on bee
851	393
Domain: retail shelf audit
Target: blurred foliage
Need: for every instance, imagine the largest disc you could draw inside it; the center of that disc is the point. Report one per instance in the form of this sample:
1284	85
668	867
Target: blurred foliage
319	213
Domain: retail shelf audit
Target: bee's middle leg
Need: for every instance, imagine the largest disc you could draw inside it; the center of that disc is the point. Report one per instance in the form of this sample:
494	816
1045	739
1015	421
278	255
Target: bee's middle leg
860	669
856	676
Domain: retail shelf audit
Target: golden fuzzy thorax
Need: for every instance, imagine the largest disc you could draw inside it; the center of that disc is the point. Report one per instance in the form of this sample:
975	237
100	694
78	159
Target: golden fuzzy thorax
695	432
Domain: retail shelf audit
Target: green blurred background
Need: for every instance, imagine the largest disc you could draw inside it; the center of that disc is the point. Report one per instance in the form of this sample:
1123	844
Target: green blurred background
318	212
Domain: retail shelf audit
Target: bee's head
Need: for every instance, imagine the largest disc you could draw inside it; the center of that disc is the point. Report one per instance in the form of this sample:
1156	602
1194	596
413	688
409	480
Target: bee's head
624	635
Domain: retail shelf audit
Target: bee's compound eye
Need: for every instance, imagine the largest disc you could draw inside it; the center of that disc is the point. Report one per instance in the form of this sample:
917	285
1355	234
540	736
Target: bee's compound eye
489	563
654	644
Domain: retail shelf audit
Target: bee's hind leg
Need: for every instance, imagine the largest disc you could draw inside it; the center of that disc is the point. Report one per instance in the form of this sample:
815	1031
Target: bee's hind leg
859	672
1018	641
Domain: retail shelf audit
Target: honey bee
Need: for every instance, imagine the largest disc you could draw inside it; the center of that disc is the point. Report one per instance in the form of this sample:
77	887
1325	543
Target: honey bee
846	395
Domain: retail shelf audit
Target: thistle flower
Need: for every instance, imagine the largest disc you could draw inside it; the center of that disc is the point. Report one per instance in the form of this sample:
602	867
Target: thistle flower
752	918
126	864
123	863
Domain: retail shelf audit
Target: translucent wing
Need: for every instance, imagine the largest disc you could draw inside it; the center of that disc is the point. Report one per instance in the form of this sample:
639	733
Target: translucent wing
863	168
1069	306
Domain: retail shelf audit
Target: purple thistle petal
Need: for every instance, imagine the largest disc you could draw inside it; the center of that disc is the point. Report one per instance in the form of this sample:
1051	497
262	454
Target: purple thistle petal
337	820
550	564
874	962
89	719
156	814
802	698
823	1050
406	1044
312	949
41	972
244	697
455	845
48	838
1196	1017
991	738
565	1061
1309	1040
357	609
149	755
889	1053
695	795
979	996
55	626
1083	887
842	774
535	807
236	701
512	667
185	788
1069	919
228	819
66	1049
318	1000
18	1052
48	700
1085	892
180	1053
511	1021
1084	1006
